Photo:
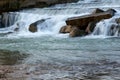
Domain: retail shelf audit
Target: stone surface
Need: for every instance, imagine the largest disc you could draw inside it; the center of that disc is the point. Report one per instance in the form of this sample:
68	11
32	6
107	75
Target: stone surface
90	27
66	29
76	32
83	21
97	10
33	27
12	5
117	20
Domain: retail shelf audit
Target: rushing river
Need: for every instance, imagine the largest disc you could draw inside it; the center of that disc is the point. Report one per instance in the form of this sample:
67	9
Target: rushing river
53	56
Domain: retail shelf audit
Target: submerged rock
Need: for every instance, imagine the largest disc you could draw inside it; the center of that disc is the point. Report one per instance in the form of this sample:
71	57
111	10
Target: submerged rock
8	57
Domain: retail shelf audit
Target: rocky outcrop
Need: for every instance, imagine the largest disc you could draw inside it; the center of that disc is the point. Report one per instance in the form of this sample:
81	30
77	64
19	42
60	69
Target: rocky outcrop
83	25
12	5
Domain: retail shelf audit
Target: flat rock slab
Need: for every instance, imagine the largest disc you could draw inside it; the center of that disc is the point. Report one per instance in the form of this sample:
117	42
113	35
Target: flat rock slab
83	21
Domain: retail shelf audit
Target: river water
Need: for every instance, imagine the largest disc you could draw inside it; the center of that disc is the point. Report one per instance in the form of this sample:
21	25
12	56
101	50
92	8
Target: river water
54	56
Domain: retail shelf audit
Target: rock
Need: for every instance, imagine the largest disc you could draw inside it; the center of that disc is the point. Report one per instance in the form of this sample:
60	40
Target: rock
13	5
11	57
97	10
76	32
33	27
83	21
111	11
66	29
90	27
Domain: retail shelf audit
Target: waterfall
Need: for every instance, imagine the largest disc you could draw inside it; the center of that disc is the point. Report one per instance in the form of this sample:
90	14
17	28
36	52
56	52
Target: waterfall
54	18
107	28
8	19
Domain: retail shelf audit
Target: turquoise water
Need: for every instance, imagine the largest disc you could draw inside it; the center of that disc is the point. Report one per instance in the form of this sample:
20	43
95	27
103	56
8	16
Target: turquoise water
55	49
74	58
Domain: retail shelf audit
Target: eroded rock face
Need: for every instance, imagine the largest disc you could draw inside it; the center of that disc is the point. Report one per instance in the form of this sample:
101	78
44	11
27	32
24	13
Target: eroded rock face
11	5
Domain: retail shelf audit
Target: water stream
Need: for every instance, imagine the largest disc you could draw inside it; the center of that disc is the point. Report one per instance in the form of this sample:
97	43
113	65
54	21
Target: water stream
55	56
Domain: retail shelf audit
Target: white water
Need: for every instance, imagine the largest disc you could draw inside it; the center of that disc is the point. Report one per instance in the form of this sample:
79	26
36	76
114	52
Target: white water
55	17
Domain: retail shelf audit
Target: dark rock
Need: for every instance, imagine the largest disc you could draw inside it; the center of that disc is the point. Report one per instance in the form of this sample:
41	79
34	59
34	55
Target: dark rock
8	57
76	32
97	10
33	27
117	20
111	11
90	27
13	5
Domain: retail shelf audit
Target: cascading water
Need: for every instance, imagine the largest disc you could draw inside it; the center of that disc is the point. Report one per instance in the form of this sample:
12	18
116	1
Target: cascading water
24	18
57	57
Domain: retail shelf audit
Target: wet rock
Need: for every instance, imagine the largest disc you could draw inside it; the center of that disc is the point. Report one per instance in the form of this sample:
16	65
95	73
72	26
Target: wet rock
66	29
97	10
8	19
33	27
111	11
117	20
76	32
12	5
8	57
90	27
83	21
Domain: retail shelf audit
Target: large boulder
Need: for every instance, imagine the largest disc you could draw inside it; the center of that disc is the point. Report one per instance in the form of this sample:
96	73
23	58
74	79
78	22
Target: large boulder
83	21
